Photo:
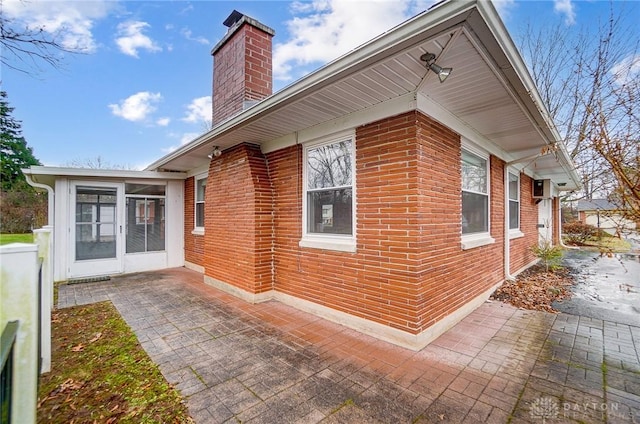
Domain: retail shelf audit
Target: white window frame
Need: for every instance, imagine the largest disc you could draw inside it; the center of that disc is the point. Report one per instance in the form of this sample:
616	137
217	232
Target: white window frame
196	229
338	242
470	241
514	232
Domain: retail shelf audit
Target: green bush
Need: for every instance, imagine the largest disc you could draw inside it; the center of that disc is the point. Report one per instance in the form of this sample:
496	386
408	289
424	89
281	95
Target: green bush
578	232
22	209
549	254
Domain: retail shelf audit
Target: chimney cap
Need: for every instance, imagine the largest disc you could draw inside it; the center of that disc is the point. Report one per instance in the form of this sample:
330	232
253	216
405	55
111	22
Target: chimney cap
234	17
234	22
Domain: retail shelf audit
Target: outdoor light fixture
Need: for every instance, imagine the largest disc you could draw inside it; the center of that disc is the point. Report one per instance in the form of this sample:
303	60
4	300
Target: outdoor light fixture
215	152
441	72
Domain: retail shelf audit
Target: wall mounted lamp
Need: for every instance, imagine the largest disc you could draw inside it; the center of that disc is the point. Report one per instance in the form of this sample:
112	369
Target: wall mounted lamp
442	73
215	152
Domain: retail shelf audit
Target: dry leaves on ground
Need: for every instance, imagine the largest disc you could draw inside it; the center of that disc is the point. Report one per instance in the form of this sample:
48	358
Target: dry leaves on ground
536	289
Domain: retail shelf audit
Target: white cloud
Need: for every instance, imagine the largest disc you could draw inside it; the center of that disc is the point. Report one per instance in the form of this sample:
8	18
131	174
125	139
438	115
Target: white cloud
137	107
199	110
627	70
70	23
188	34
130	38
327	29
565	7
163	122
184	139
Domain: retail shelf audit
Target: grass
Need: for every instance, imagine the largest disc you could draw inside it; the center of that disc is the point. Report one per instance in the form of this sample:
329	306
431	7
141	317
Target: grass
100	373
608	243
16	238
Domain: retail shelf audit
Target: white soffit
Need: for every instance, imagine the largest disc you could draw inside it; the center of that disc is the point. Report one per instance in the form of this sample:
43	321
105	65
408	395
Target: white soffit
372	78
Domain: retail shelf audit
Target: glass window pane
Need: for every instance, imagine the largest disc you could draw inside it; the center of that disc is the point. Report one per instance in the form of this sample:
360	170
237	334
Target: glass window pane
155	225
95	223
329	166
201	186
145	225
474	173
330	211
145	189
475	213
514	181
135	225
514	215
199	214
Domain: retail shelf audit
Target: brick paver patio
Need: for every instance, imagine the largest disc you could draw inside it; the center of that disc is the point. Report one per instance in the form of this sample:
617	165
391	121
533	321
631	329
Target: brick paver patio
267	363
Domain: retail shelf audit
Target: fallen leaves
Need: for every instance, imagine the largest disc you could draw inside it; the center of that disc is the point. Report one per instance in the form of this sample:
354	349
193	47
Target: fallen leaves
95	338
78	348
536	289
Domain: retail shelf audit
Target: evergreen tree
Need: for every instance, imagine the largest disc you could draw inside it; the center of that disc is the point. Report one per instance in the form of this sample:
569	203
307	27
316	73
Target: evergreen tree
14	152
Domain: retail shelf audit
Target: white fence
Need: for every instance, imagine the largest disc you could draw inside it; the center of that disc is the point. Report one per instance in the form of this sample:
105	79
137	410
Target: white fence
26	298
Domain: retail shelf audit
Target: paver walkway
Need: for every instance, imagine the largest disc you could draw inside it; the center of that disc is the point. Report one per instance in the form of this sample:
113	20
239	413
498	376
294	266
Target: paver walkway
270	363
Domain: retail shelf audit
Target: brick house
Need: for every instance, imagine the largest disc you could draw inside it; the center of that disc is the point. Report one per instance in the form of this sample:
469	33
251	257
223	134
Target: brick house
368	192
605	215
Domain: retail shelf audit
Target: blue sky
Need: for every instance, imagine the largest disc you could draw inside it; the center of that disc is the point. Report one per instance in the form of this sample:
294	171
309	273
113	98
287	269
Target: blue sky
142	86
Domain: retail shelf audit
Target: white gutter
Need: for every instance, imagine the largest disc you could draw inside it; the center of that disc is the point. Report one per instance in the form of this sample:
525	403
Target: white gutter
507	240
50	199
501	35
104	173
560	228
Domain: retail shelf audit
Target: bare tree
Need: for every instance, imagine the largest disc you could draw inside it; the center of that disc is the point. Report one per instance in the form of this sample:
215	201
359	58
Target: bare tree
588	80
23	47
97	162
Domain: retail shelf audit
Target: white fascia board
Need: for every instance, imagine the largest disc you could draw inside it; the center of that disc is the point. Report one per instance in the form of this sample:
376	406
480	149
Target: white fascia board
103	173
501	35
392	107
405	34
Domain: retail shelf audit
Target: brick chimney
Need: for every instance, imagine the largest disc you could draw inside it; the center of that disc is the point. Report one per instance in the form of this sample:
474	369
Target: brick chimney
242	69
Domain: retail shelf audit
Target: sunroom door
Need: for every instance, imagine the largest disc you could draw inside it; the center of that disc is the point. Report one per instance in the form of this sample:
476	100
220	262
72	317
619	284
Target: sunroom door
96	231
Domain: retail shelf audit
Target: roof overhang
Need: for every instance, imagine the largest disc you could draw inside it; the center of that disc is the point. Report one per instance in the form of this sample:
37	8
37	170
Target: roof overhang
48	174
490	97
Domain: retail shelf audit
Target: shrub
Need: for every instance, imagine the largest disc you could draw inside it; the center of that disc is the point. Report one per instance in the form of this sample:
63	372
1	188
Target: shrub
22	209
578	232
549	254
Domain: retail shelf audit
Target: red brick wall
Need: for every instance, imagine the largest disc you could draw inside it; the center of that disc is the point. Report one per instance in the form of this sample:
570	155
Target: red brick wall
193	244
258	64
450	276
409	270
242	70
239	220
520	248
379	282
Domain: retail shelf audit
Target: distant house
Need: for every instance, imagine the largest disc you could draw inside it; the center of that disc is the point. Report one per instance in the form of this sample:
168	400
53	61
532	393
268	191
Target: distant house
369	192
605	215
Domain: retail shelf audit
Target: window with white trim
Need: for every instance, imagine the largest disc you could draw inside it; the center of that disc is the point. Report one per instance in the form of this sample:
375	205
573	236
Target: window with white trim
328	203
475	193
201	185
514	201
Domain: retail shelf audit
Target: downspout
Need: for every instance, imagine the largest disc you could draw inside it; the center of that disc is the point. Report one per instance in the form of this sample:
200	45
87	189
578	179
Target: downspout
507	241
560	242
50	199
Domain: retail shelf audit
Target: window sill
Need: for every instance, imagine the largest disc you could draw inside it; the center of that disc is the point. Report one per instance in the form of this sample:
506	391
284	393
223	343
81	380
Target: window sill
473	241
514	234
198	231
340	245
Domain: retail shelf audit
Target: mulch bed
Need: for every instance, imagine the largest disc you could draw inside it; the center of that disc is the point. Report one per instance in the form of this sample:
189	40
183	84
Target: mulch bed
536	289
